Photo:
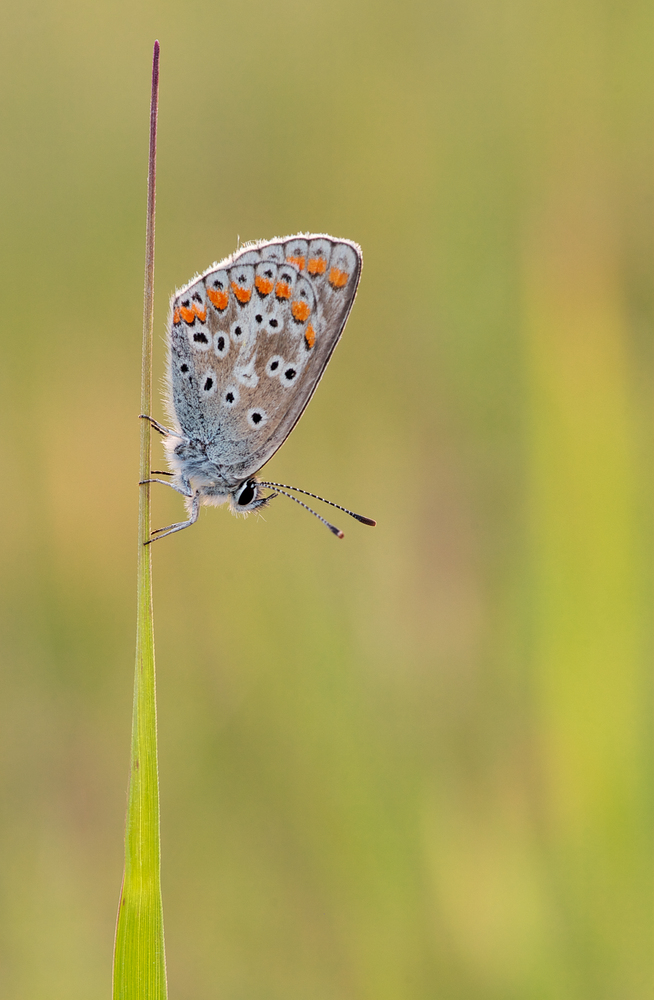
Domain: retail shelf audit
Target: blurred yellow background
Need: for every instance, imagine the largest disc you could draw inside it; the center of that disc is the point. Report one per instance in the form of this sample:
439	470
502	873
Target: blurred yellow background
416	763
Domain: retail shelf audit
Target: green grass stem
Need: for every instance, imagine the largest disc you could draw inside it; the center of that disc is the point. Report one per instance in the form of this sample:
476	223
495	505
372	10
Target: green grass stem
139	955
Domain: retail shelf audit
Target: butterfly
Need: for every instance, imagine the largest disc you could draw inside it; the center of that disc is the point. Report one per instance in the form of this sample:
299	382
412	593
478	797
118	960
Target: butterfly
248	342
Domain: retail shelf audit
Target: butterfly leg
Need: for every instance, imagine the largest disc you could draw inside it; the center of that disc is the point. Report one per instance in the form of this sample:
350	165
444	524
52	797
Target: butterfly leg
172	528
164	431
184	489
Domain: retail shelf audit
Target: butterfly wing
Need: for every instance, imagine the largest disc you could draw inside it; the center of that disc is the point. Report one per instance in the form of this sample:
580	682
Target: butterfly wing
250	340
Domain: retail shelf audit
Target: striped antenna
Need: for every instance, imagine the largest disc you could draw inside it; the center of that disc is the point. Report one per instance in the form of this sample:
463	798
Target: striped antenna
281	487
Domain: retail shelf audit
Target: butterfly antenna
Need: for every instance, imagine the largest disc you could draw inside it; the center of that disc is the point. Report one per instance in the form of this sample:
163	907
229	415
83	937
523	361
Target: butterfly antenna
357	517
332	527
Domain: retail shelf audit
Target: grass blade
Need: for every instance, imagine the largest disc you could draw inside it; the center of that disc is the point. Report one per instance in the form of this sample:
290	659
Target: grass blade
139	955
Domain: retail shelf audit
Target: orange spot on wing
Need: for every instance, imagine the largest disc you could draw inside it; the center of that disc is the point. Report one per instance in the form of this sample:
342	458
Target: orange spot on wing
300	311
298	261
188	315
338	279
176	316
264	286
282	290
202	316
309	337
317	265
219	299
242	294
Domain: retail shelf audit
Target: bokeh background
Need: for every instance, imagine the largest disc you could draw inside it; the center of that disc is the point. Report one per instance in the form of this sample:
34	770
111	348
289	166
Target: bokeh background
416	763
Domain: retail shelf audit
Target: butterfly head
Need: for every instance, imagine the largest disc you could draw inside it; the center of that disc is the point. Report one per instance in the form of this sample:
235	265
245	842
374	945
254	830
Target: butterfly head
248	497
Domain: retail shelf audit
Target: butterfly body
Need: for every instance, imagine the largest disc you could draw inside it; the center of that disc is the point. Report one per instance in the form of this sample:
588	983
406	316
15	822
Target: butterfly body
248	342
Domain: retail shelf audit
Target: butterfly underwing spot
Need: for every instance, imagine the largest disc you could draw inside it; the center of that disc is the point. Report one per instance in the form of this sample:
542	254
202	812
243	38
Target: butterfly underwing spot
264	278
257	417
289	375
208	383
343	263
296	253
231	396
318	257
218	289
302	301
275	365
246	374
238	330
285	282
309	337
192	305
300	311
201	339
272	318
242	282
338	278
221	344
186	311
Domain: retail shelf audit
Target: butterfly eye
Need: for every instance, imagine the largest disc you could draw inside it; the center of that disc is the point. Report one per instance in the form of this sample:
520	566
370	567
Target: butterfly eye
247	494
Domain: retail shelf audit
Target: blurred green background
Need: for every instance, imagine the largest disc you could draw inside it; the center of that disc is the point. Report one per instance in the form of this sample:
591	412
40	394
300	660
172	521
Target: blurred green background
416	763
